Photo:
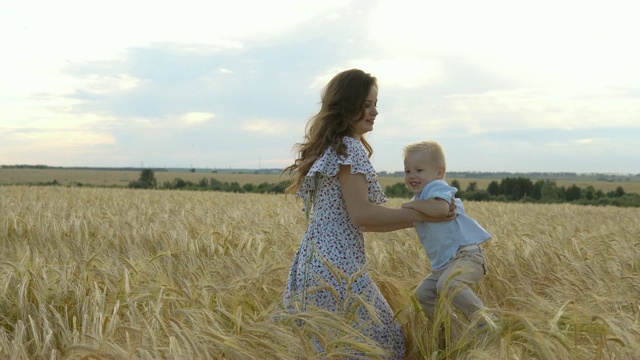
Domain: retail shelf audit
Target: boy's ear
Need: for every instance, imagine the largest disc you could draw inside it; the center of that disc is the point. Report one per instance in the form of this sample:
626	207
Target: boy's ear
441	172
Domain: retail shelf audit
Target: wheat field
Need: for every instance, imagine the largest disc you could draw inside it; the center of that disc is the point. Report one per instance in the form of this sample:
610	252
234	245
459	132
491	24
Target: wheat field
91	273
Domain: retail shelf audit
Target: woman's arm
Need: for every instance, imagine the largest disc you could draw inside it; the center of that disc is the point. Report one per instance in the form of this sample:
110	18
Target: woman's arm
386	228
365	214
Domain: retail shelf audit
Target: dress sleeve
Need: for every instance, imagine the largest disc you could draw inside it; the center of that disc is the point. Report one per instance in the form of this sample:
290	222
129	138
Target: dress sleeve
329	165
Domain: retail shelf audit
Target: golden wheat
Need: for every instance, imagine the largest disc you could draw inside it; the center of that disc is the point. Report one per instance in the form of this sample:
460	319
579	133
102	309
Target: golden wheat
147	274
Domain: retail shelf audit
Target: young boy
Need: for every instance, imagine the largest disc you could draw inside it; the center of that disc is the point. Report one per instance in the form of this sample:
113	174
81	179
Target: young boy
453	247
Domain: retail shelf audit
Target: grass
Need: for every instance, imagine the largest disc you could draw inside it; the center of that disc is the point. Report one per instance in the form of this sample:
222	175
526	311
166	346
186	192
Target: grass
136	274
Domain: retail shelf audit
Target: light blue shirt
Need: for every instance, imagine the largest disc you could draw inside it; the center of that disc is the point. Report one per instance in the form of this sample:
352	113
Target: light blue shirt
441	240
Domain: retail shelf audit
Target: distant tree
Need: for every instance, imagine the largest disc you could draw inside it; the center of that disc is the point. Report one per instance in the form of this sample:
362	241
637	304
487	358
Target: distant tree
473	186
456	184
147	180
179	183
234	187
549	191
250	188
148	177
264	187
537	189
561	192
516	188
138	185
493	188
281	187
573	193
478	195
590	193
398	190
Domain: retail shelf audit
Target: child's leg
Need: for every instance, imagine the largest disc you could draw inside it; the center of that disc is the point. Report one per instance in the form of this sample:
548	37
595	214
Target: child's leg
465	268
449	327
427	293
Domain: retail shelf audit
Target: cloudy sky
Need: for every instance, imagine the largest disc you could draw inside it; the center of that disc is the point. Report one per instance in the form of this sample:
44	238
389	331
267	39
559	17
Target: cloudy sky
513	86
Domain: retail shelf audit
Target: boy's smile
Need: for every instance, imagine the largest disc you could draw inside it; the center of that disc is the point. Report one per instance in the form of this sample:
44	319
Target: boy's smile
419	171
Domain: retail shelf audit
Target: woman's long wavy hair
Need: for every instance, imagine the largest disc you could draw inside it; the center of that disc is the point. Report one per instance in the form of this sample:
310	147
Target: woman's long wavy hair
343	104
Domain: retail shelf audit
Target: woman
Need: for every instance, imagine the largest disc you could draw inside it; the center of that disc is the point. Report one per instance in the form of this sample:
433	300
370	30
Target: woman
334	177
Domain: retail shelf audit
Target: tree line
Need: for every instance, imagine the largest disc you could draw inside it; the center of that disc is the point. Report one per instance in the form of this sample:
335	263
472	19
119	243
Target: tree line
147	180
522	189
510	189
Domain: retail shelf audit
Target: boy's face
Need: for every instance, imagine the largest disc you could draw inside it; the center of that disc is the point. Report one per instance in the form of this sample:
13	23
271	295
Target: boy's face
419	170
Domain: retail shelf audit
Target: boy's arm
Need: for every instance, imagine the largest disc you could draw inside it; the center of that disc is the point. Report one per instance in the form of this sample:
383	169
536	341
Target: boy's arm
436	208
438	201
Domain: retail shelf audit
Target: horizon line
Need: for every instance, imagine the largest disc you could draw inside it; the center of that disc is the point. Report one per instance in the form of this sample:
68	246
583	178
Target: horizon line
194	169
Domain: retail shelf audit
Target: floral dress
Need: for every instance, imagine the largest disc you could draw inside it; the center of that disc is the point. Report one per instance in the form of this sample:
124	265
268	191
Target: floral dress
328	270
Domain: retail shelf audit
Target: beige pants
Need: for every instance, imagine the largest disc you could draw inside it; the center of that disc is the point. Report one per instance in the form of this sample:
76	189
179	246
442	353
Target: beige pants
466	267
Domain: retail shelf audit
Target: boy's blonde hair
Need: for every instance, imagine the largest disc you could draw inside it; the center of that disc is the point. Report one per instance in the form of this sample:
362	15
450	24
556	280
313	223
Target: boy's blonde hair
432	148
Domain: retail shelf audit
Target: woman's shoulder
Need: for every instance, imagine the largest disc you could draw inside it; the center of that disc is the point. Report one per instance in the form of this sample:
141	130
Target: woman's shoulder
351	142
355	155
348	140
354	147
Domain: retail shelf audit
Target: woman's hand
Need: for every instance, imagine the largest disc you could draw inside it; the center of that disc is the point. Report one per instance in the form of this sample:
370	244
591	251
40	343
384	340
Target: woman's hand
452	210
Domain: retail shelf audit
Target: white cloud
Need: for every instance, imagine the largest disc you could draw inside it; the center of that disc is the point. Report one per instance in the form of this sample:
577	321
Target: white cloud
392	72
536	41
265	126
194	118
545	108
52	146
62	139
101	84
401	72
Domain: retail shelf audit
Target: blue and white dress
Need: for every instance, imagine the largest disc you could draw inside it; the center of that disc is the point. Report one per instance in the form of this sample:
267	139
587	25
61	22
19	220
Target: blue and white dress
329	268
